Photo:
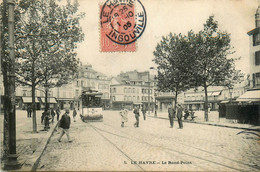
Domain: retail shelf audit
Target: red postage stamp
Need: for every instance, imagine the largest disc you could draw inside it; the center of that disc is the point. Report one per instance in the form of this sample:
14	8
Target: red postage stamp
122	22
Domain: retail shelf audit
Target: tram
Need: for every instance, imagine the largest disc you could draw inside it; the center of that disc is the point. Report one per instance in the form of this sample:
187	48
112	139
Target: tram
91	106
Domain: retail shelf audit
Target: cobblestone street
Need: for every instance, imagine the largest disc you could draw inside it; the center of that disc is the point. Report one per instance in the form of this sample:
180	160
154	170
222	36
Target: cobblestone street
153	146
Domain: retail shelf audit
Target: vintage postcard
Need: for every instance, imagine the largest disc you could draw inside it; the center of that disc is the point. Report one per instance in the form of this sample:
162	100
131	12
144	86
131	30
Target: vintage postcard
130	85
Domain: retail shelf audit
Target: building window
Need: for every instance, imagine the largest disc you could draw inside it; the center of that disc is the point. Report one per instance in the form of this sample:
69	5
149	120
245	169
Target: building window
114	90
137	97
77	92
24	92
129	90
113	98
125	90
133	90
257	58
256	39
256	79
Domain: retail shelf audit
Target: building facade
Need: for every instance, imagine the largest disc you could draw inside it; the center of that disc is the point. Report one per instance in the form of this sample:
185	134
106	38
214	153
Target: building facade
254	50
133	89
67	96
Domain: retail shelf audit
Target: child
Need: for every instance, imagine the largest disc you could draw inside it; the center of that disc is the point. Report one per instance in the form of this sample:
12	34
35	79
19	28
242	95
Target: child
123	115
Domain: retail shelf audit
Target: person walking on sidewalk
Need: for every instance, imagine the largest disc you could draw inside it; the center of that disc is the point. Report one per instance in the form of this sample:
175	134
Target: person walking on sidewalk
52	115
179	115
144	112
137	114
64	124
171	114
74	114
29	111
58	113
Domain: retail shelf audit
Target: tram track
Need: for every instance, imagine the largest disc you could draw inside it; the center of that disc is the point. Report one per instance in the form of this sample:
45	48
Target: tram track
120	150
170	150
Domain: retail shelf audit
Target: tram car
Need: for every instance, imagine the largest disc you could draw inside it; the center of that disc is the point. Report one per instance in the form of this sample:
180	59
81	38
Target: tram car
91	106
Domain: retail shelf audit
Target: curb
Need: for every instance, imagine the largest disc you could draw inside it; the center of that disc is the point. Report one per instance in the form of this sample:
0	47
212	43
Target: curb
31	163
216	125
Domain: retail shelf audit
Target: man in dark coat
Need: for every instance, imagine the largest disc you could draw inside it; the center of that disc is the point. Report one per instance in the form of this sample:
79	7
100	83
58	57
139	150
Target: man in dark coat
64	124
171	114
179	115
29	111
58	113
144	112
136	112
52	115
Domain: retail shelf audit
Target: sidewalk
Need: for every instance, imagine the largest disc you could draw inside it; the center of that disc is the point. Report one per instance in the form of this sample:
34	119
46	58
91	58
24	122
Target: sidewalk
214	120
29	145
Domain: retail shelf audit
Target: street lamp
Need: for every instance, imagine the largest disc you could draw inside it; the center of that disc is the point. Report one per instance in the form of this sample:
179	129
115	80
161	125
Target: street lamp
230	92
155	113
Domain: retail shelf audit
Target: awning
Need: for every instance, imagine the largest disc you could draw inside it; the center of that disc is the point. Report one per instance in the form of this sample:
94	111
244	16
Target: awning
225	101
215	93
50	100
250	96
29	100
164	97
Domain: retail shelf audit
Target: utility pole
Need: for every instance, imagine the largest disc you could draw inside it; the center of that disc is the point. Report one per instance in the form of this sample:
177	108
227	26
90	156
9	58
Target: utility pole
11	162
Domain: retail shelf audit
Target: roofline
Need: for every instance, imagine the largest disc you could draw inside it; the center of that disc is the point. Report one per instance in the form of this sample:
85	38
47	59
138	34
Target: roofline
256	30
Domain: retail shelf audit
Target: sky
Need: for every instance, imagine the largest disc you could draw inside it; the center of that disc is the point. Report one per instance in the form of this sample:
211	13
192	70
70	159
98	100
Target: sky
165	16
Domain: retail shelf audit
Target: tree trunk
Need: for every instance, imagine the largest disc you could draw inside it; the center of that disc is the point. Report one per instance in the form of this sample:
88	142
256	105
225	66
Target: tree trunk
46	100
33	92
176	98
34	109
206	103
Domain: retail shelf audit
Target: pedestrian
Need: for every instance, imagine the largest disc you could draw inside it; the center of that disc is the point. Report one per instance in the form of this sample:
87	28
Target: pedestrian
47	118
42	117
64	124
137	114
144	112
52	115
124	118
58	113
179	115
29	111
74	114
171	114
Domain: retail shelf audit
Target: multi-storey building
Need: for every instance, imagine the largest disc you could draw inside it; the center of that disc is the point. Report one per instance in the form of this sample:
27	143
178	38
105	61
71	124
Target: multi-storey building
88	78
253	92
66	96
132	88
254	61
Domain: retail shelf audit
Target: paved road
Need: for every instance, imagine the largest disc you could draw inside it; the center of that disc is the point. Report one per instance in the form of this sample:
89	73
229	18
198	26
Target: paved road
153	146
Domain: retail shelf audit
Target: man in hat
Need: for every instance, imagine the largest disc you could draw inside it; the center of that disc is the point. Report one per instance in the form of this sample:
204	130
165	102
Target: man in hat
65	125
179	115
